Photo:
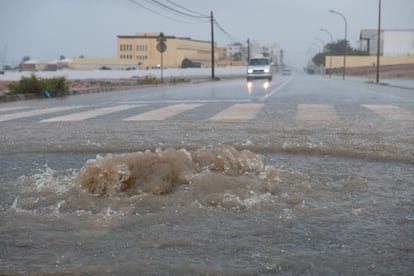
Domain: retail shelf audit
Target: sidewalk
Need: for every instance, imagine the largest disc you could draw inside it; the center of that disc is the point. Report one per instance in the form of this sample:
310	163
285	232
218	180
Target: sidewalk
407	84
400	83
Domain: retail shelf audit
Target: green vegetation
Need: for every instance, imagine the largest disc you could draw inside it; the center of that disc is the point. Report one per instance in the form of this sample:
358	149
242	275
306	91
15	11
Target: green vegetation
187	63
34	85
147	80
336	49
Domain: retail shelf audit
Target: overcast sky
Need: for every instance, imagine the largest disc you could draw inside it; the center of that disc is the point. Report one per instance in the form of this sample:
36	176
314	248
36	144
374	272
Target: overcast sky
46	29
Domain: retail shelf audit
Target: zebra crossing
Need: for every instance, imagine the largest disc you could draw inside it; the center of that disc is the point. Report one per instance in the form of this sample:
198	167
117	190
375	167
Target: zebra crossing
163	113
231	112
80	116
316	112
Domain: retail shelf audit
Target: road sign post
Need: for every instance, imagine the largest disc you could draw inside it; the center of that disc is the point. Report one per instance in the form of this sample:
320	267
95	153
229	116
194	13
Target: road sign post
161	47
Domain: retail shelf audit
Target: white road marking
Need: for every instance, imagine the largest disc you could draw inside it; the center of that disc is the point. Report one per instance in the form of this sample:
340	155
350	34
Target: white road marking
265	97
163	113
316	112
4	109
36	112
80	116
195	101
238	112
391	112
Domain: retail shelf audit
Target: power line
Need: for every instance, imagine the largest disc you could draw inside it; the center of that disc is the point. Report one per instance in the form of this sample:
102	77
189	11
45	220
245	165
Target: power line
163	15
184	8
232	38
177	11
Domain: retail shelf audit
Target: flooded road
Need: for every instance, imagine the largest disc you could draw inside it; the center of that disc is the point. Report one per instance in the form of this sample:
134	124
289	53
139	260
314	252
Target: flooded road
236	213
305	181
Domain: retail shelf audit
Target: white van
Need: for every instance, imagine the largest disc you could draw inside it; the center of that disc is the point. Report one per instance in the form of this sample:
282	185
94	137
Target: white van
259	68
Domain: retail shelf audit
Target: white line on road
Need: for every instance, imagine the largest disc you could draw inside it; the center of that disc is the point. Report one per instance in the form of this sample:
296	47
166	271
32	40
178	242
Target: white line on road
13	108
188	101
238	112
163	113
315	112
265	97
80	116
36	112
391	112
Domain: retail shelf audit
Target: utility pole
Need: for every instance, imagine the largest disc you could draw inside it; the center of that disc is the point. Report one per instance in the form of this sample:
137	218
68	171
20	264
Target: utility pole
248	50
379	41
212	45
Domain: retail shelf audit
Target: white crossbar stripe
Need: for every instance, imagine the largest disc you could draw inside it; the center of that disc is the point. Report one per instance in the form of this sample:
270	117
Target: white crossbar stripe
238	112
36	112
163	113
80	116
391	112
315	112
4	109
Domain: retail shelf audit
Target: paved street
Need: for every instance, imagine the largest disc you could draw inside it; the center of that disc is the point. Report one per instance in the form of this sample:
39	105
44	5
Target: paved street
298	109
327	178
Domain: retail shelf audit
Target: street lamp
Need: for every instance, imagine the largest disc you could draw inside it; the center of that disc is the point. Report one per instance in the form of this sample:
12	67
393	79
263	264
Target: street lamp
317	46
379	41
345	41
330	56
323	43
319	52
323	51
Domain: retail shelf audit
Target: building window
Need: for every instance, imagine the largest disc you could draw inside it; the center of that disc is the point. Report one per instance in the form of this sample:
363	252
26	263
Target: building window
126	47
142	48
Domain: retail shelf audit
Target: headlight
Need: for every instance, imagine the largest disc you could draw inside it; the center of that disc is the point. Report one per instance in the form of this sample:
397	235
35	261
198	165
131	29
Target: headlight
249	71
266	70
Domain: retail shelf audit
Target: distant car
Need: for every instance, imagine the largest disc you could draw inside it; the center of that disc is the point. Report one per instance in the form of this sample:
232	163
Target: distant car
286	72
259	68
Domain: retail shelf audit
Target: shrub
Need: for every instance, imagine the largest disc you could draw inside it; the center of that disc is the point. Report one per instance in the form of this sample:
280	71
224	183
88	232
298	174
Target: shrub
26	85
56	86
33	85
148	80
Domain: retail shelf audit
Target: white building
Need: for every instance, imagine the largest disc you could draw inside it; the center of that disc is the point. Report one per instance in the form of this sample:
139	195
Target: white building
392	43
235	49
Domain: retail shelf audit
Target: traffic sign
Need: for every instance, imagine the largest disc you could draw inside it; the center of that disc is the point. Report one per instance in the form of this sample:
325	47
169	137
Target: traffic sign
161	47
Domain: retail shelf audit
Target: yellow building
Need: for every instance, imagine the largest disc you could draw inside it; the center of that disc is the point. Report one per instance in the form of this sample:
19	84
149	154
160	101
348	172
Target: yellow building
140	50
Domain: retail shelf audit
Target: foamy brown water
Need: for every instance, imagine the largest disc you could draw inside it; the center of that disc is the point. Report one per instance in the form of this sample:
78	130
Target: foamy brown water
210	210
159	172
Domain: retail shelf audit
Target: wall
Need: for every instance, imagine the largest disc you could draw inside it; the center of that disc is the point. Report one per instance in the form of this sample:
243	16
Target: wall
363	61
98	63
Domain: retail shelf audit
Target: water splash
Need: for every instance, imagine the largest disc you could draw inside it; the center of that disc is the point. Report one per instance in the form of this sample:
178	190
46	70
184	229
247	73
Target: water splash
161	171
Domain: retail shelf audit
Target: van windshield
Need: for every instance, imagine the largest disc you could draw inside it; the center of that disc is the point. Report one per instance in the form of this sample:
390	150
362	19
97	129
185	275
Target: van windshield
259	61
